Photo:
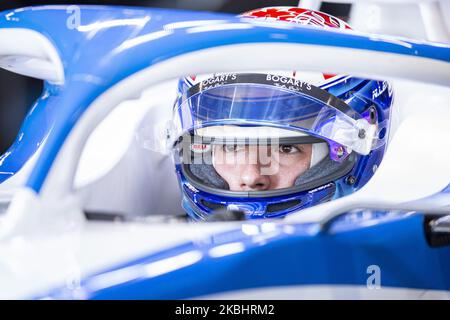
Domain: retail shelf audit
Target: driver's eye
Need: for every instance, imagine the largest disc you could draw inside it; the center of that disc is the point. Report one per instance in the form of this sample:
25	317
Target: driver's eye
232	147
288	149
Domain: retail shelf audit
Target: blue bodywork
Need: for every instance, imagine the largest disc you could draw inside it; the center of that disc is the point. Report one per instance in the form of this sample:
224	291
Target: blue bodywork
285	255
282	256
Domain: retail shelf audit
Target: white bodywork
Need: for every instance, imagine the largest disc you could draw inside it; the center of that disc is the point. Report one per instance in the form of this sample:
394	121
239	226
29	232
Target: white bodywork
417	19
34	55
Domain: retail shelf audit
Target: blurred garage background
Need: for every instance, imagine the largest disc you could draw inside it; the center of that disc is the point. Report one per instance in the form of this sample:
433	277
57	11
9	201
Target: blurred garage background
17	93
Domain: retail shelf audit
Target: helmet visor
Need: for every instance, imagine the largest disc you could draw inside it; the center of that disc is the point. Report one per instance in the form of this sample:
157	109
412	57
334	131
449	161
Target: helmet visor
249	100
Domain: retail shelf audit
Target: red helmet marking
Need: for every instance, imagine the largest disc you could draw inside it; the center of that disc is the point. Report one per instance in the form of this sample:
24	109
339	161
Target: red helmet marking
299	15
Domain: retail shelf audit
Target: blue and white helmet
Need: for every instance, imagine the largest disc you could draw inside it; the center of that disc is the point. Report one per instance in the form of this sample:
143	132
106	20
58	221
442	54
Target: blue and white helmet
271	143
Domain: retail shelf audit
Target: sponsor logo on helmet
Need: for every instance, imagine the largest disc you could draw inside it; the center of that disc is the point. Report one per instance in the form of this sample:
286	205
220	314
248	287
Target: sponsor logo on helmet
380	89
200	148
287	82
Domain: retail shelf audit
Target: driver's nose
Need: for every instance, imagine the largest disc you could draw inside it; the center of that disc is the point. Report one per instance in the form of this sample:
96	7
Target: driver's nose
252	180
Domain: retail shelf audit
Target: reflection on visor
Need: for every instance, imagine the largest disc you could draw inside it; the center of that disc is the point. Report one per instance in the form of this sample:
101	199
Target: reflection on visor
274	101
